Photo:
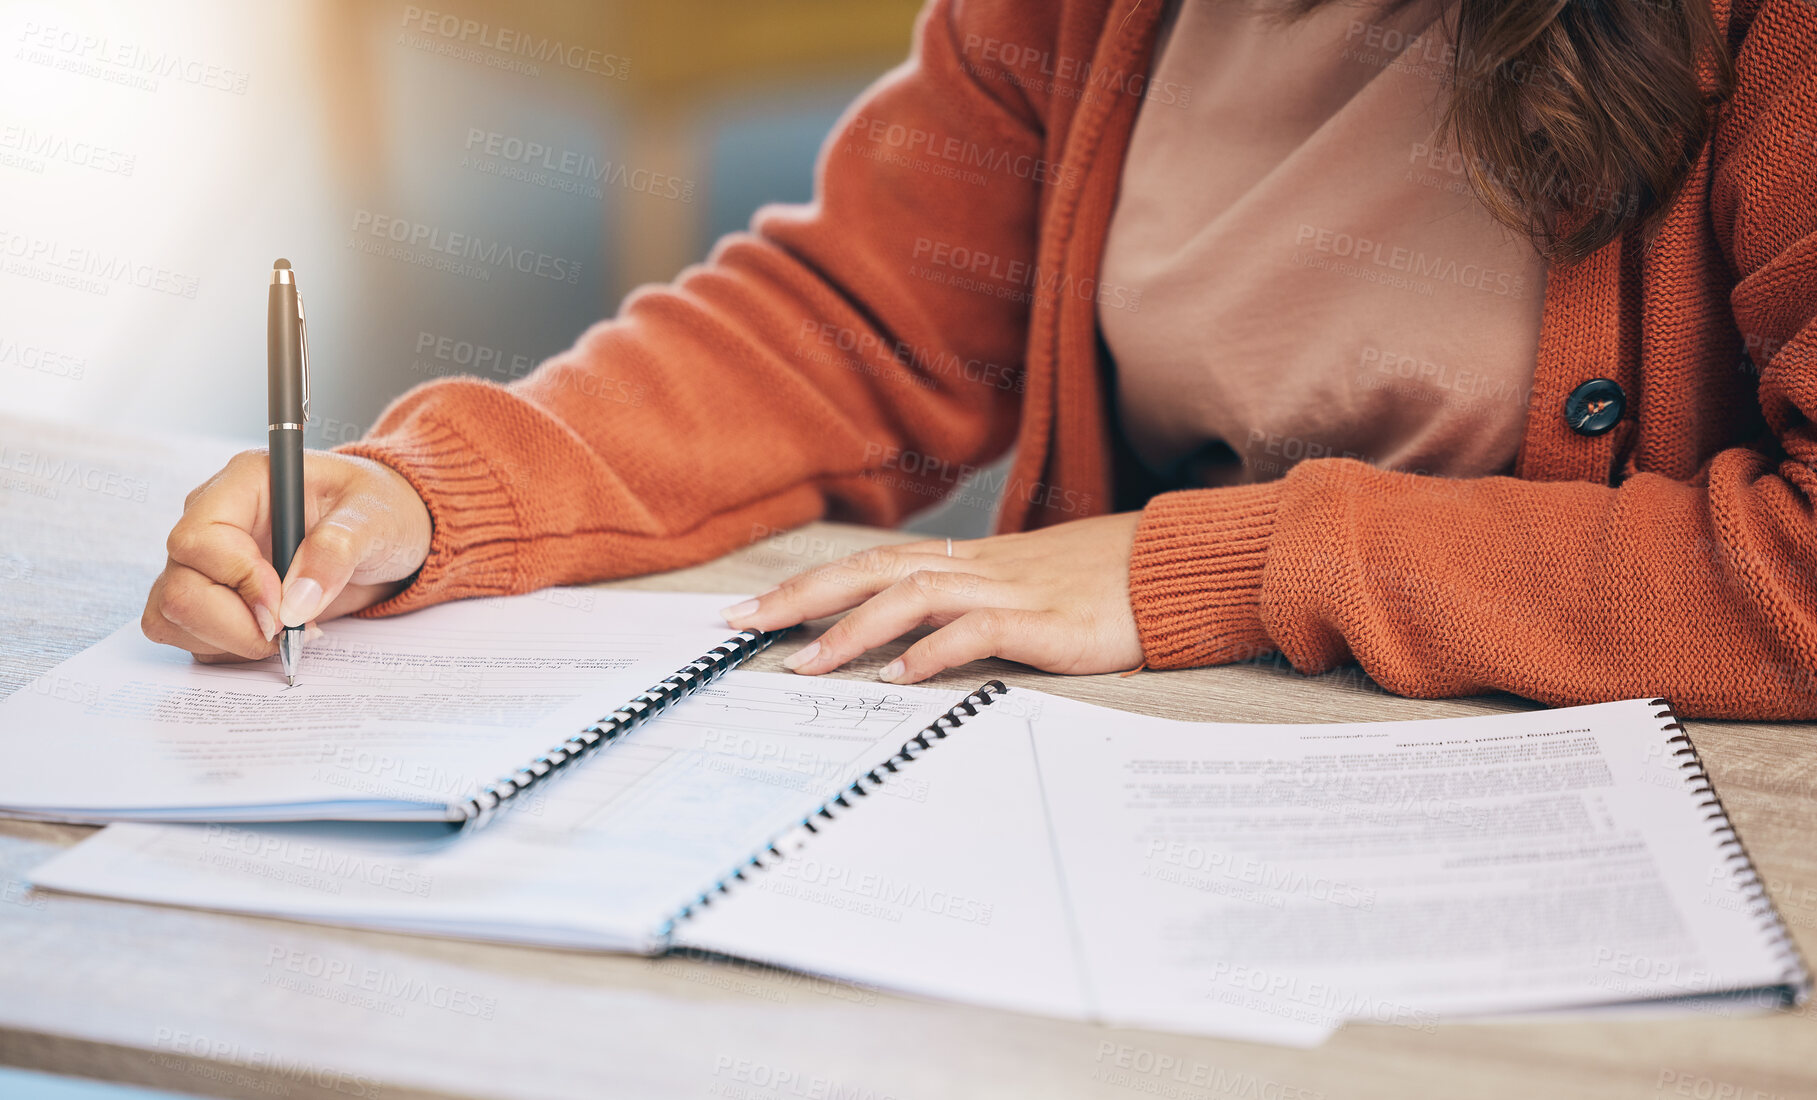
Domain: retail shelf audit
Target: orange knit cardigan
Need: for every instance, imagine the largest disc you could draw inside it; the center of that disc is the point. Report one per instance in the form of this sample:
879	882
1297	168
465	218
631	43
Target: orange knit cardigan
952	249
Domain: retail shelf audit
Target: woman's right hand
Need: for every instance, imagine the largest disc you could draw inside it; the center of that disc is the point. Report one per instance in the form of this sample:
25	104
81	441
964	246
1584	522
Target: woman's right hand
219	597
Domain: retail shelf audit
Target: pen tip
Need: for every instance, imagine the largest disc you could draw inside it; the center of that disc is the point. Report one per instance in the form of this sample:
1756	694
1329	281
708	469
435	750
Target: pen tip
281	265
290	681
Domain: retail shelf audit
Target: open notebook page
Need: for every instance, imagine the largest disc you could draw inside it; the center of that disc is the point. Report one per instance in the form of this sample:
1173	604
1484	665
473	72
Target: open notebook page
392	718
951	887
599	858
1272	882
1397	872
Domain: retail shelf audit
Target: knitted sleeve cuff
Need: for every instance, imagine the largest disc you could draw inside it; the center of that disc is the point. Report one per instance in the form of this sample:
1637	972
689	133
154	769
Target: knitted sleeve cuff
1195	576
476	531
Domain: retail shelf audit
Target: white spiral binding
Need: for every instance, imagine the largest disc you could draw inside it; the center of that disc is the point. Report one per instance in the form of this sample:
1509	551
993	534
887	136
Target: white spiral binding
860	787
476	811
1796	978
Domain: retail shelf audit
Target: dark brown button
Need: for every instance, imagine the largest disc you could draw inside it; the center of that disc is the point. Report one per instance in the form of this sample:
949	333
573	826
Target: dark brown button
1594	407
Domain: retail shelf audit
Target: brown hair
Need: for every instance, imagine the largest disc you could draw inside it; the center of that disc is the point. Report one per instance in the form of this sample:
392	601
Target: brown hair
1579	119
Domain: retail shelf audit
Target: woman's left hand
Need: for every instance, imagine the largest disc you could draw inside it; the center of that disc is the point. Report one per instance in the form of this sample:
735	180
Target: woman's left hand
1056	598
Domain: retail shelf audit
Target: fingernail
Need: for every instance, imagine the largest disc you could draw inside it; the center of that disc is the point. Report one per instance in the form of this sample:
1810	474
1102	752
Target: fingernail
891	672
302	600
801	656
268	626
739	610
312	632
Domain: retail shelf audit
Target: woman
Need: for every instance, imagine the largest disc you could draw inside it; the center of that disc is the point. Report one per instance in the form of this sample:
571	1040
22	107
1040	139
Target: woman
1474	344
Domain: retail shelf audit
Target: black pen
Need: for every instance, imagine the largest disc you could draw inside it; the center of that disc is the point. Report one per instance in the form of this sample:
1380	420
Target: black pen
287	366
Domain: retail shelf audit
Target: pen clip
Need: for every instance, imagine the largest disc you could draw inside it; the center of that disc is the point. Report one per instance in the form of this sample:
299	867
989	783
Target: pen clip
303	342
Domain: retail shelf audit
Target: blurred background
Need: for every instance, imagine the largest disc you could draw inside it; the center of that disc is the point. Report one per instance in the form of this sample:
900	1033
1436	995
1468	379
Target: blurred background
155	159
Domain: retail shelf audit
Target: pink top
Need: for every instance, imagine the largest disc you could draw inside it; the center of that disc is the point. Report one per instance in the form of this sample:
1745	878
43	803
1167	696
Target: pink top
1316	277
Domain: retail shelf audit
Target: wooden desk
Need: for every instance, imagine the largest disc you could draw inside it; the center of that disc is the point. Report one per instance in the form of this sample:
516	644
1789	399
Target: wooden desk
181	999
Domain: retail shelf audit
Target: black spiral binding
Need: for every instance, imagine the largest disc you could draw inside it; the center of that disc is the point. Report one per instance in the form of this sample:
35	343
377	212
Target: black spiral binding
475	812
1796	977
861	787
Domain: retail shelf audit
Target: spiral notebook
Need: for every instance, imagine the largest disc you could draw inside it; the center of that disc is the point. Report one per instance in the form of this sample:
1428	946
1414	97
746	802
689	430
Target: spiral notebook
446	714
1029	852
